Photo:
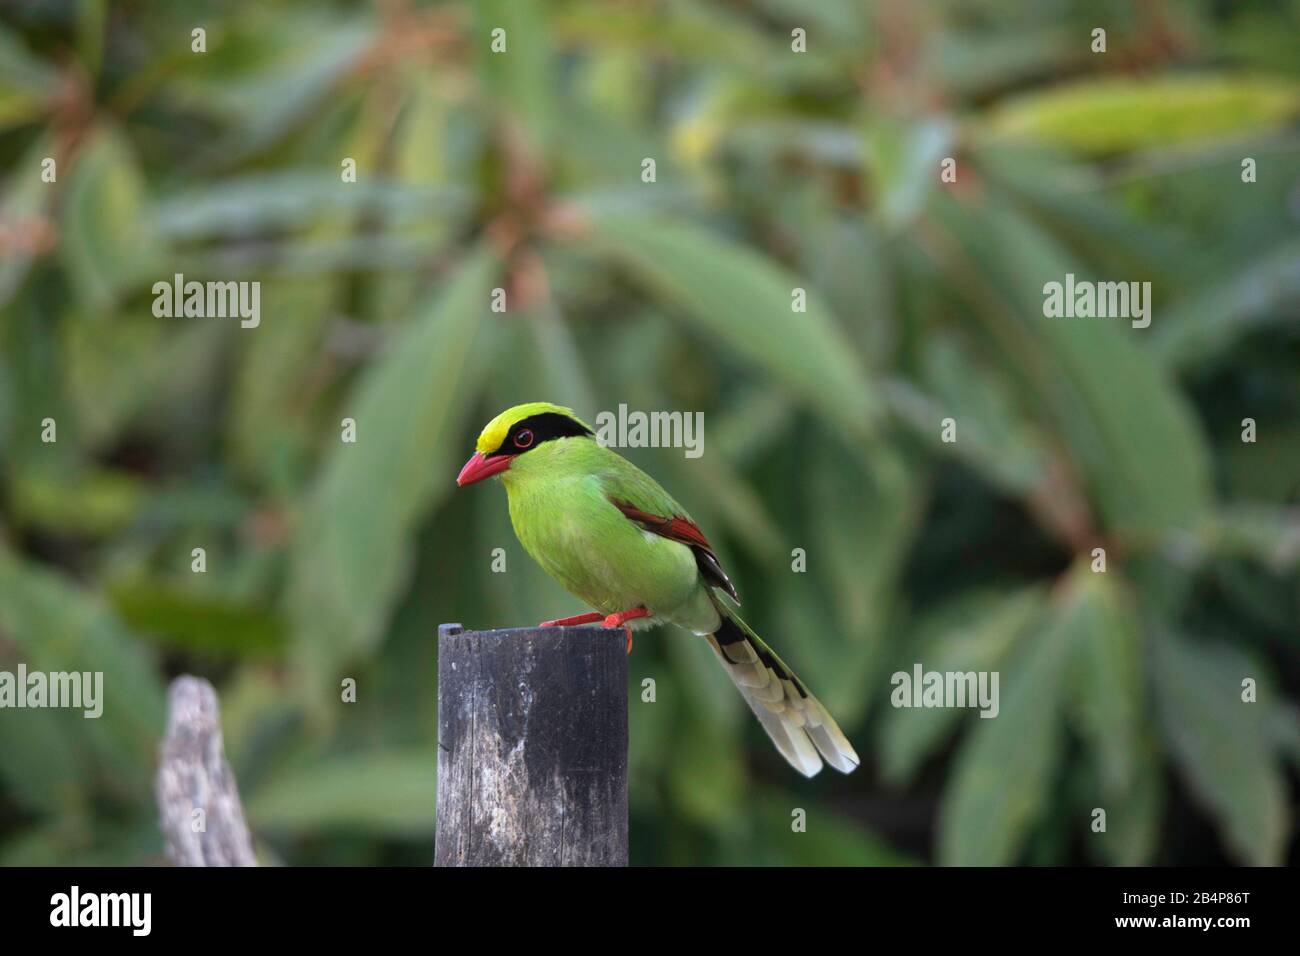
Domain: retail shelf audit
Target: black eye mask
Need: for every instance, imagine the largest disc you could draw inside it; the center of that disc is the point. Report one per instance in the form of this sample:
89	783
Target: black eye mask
542	428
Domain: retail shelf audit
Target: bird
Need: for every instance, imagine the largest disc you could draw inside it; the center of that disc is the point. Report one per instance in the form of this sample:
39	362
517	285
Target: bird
613	537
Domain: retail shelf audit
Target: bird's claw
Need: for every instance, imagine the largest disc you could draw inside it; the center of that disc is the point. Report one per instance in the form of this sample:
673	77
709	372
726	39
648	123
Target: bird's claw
622	617
607	620
569	621
616	620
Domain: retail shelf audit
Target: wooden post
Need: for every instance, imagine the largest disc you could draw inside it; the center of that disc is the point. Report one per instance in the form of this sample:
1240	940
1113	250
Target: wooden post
193	775
532	747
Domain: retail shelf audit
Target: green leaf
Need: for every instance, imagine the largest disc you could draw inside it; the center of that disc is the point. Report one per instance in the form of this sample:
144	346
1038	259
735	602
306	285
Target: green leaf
974	632
828	840
996	437
39	763
744	301
859	553
1133	815
1120	414
351	551
562	371
341	793
296	200
901	160
522	78
706	770
182	617
95	503
109	245
269	418
681	31
422	158
1260	532
1003	773
58	627
1116	115
1078	204
1106	679
1267	471
266	102
27	84
850	262
1201	326
25	203
1225	747
974	62
1106	703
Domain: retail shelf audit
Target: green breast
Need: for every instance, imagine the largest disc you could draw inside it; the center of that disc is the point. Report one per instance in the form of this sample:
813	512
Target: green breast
566	523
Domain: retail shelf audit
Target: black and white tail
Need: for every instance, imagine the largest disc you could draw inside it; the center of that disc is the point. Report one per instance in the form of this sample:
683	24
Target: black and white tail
795	720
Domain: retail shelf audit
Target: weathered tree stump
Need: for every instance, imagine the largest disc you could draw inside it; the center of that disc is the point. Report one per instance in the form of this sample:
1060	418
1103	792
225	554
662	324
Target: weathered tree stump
193	775
532	747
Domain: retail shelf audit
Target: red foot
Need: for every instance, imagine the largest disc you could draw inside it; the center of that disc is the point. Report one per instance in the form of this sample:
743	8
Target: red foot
620	619
576	619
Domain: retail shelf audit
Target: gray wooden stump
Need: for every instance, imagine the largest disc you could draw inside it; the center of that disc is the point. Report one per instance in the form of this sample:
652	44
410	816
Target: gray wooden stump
193	775
532	747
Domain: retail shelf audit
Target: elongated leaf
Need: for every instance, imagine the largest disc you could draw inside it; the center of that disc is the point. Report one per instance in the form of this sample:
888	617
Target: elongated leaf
1224	746
972	62
849	261
826	839
422	159
1004	771
995	435
295	200
975	632
1200	326
901	159
269	410
268	103
94	503
24	205
1106	679
1107	705
707	775
1270	535
26	82
745	302
197	621
39	764
1130	429
859	552
344	793
1110	115
351	551
109	244
1134	815
522	77
59	628
683	31
1074	202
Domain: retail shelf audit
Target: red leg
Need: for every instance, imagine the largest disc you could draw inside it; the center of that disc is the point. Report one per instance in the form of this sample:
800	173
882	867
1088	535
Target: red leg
576	619
622	617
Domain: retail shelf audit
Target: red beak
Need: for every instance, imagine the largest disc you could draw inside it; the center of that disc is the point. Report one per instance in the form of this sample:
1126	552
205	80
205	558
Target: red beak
478	468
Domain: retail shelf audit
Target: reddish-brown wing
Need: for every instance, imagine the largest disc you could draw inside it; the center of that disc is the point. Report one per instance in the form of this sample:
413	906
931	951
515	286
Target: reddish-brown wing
685	531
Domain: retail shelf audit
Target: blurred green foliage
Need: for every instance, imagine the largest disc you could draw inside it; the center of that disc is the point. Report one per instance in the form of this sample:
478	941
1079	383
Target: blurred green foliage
775	170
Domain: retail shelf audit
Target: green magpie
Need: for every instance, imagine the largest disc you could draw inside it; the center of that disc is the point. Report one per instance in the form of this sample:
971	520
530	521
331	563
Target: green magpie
608	533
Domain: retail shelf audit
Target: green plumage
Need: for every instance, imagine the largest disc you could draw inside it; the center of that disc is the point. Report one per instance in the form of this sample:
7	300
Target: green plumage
561	508
562	495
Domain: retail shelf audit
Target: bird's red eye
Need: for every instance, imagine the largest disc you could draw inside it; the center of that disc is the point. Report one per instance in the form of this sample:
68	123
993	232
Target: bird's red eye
523	438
